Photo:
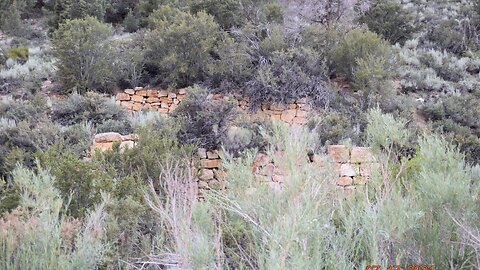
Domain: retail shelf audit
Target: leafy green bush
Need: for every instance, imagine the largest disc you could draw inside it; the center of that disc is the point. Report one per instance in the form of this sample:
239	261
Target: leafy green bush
203	121
180	45
68	10
390	20
227	13
18	53
84	55
360	45
79	182
304	77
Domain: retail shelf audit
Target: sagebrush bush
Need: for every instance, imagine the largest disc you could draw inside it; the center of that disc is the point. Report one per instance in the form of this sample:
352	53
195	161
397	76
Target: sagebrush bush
37	235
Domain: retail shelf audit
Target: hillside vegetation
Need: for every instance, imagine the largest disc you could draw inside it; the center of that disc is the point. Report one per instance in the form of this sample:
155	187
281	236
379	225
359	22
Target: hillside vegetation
399	76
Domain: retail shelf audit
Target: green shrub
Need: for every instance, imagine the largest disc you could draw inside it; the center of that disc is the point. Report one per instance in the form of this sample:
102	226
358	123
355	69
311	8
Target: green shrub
91	107
227	13
68	10
203	121
18	53
360	44
305	77
84	55
180	45
390	20
79	182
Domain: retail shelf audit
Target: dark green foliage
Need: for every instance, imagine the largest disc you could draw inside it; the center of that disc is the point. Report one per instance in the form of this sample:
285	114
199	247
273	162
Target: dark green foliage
226	12
18	53
204	121
85	55
288	76
390	20
80	182
180	45
457	116
77	9
359	45
131	23
91	107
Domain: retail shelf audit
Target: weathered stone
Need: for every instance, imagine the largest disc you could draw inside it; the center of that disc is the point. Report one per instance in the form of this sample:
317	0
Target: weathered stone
127	104
319	160
176	101
172	95
142	93
338	153
129	91
147	106
173	107
138	88
152	93
206	174
162	93
137	98
164	105
163	110
122	97
107	137
130	137
181	97
361	155
202	185
101	147
302	113
305	107
212	155
268	170
301	101
278	178
166	100
210	163
344	181
292	106
220	174
288	115
276	117
118	102
126	145
182	91
137	106
260	160
215	184
300	121
202	153
278	107
368	169
360	180
153	99
348	170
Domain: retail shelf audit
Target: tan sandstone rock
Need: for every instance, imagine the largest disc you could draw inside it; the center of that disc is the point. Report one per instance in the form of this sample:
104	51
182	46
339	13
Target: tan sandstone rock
210	163
122	97
108	137
362	155
288	115
344	181
338	153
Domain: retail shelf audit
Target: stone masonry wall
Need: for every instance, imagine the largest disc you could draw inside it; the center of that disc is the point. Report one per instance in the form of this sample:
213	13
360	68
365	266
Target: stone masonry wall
351	167
165	102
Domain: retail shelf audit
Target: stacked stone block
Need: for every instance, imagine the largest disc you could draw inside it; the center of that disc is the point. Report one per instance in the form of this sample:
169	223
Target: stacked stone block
165	101
210	173
353	167
105	141
139	99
